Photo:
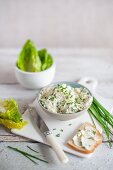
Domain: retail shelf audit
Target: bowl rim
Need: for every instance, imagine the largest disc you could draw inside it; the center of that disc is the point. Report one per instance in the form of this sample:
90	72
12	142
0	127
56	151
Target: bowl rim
27	72
67	114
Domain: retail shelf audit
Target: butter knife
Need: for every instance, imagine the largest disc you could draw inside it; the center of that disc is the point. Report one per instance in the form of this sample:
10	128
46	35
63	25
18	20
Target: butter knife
49	136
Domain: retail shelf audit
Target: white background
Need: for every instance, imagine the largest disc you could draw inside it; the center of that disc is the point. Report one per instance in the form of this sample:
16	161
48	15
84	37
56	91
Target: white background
56	23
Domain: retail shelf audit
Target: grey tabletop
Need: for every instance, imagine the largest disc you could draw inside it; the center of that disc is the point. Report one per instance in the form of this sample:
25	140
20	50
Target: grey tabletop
72	64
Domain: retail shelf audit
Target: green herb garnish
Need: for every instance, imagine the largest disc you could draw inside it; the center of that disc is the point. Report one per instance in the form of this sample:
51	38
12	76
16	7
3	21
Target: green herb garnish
58	135
105	119
61	130
54	129
69	124
27	155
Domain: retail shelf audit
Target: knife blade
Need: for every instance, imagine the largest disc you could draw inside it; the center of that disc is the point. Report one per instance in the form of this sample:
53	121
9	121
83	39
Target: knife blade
49	136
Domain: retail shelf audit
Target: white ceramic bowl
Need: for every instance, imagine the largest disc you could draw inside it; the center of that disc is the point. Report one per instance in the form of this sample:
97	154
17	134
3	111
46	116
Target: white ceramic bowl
35	80
67	116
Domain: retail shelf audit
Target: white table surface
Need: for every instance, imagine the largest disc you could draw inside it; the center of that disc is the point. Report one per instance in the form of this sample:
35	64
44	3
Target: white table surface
71	65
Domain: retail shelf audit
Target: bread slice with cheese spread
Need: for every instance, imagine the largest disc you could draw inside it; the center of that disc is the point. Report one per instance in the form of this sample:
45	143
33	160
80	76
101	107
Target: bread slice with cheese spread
86	139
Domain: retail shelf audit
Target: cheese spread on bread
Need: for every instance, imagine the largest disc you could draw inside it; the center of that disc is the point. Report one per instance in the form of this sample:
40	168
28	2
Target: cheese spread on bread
85	138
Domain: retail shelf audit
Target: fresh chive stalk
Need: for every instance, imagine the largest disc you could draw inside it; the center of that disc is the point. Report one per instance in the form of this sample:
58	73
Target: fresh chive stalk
90	114
105	128
30	159
99	105
104	112
32	149
105	118
27	154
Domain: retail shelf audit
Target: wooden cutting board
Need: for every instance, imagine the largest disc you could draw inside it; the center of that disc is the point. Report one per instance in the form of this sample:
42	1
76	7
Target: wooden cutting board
62	130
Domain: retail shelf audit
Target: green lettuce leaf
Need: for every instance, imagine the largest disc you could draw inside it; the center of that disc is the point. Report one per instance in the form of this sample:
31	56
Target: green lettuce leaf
10	115
11	124
28	59
46	59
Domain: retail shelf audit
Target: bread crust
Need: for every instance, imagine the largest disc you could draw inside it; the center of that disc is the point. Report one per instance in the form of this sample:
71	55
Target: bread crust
83	150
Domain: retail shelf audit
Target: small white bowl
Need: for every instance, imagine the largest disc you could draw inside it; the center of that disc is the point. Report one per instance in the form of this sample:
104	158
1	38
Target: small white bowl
35	80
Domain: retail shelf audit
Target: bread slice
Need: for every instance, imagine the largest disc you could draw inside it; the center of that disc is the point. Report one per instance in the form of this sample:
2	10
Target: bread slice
80	148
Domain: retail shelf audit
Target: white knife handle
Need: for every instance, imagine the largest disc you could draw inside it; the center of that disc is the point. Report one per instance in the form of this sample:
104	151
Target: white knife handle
57	148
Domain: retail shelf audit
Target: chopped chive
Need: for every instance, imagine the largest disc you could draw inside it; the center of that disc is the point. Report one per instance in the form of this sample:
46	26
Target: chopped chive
69	124
58	135
61	130
54	129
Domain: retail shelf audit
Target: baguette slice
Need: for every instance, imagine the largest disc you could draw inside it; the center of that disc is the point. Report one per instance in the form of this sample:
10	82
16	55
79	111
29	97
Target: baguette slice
82	149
